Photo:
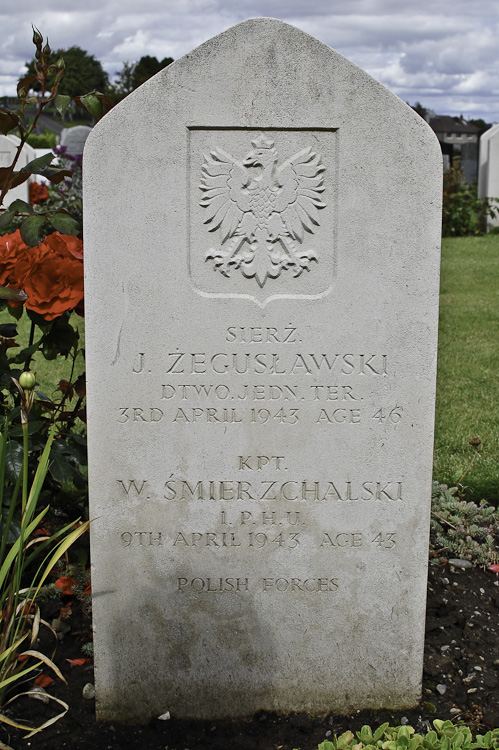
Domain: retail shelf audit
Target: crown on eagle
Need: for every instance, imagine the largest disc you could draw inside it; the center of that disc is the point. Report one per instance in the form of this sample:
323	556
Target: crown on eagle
262	142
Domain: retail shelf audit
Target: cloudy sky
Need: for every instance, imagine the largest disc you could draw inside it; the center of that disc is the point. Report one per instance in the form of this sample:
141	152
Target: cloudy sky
443	53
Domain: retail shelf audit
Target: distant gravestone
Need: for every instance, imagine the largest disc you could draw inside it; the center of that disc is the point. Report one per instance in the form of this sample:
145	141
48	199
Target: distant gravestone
8	150
488	171
262	276
469	162
74	138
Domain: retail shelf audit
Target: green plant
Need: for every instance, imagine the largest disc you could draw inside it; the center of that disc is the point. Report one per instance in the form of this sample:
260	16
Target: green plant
463	529
445	736
47	139
60	402
26	560
463	213
45	74
67	195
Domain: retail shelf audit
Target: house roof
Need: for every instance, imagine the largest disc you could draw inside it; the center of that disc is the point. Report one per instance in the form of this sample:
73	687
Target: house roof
447	124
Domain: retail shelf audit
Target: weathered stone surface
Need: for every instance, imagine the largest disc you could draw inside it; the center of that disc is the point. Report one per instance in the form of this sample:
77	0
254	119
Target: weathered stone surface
488	170
262	226
74	138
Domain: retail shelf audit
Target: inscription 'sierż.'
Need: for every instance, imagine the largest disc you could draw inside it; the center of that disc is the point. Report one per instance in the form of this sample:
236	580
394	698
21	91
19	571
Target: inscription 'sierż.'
262	218
262	335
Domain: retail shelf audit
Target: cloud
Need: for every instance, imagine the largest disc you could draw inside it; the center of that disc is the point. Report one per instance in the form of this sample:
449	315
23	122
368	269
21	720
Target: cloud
441	52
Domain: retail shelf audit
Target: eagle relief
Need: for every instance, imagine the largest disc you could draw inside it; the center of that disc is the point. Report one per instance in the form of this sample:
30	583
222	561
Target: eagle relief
263	212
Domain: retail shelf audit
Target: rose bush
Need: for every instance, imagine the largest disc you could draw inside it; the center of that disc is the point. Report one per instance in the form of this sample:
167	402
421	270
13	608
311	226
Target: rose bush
51	273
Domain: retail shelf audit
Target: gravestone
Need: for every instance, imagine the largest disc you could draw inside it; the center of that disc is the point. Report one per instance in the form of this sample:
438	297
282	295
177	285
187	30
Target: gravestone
262	229
8	150
488	170
74	138
469	162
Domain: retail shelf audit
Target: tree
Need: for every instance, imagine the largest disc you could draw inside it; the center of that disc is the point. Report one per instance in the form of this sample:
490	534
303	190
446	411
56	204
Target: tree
418	107
147	67
480	123
133	75
124	80
82	72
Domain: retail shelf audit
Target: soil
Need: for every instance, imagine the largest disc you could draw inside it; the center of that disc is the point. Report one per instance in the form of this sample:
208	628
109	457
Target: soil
460	681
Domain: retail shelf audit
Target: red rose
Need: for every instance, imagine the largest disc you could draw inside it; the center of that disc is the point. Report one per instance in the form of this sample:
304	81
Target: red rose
12	251
37	193
51	274
54	283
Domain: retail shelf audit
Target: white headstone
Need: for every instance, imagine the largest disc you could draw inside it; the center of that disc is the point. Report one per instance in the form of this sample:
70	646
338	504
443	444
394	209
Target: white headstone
8	150
261	318
74	138
488	170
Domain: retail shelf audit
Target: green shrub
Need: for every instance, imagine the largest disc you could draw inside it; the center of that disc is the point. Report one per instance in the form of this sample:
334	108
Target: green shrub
48	139
463	213
463	530
445	736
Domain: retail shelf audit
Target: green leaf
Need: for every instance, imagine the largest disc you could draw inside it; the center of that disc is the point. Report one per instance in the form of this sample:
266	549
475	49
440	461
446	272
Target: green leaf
36	166
15	312
61	338
32	230
25	354
8	121
5	218
61	102
380	731
65	224
21	206
13	460
14	295
60	469
24	85
12	179
92	104
34	425
56	175
9	330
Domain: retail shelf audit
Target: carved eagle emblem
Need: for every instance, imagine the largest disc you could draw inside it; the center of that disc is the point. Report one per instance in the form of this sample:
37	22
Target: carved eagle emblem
262	210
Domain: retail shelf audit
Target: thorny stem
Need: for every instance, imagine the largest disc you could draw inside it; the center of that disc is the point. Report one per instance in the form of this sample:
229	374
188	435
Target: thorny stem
75	354
74	413
30	343
24	135
25	467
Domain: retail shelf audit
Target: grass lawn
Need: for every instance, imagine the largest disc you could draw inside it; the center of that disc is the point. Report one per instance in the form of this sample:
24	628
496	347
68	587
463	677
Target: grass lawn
468	367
